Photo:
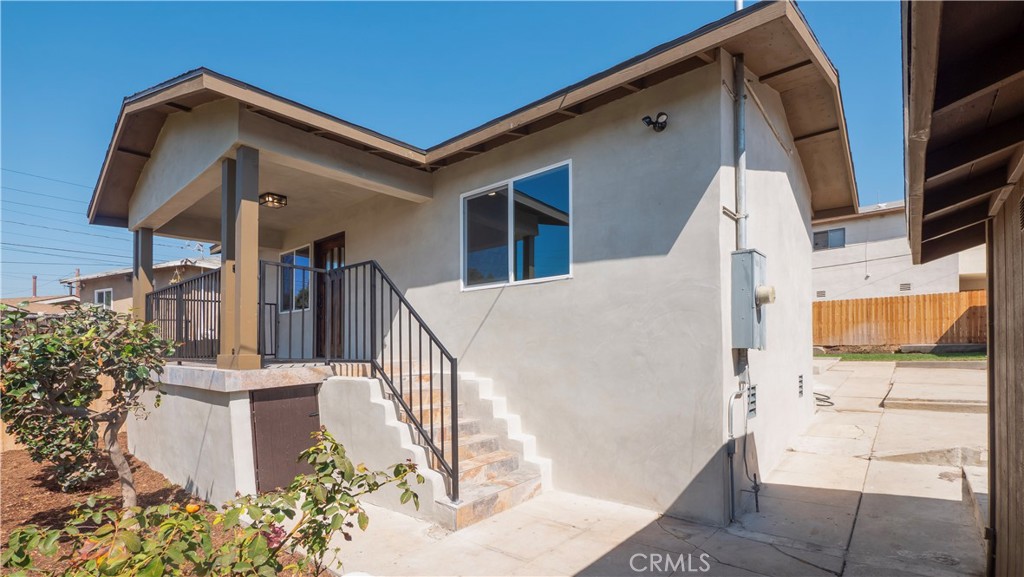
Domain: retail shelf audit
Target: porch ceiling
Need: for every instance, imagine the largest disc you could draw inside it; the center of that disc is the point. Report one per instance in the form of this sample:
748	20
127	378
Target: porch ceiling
307	195
964	94
777	43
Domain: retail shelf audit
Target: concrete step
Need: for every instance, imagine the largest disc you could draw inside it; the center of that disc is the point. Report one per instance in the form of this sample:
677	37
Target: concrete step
976	495
487	467
467	426
484	499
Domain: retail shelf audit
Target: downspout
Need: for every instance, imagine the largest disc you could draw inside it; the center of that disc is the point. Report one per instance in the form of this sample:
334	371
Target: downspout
740	151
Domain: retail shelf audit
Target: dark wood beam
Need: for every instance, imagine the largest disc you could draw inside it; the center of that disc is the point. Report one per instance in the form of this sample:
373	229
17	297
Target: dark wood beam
963	193
132	152
960	240
985	73
816	134
959	220
765	77
974	147
177	106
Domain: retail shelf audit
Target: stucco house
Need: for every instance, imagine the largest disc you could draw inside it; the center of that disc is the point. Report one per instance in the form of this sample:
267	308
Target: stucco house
41	305
866	255
113	288
576	295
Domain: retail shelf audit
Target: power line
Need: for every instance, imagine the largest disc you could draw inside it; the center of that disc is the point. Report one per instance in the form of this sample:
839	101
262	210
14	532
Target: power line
5	201
44	194
84	258
45	177
55	263
59	249
86	233
20	236
55	219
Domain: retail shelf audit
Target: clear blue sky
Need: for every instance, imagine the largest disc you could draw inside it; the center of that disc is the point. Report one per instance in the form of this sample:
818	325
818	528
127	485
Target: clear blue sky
420	72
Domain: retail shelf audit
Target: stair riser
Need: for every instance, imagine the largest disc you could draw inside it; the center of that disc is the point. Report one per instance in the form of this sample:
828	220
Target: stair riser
489	471
494	504
467	451
466	428
426	415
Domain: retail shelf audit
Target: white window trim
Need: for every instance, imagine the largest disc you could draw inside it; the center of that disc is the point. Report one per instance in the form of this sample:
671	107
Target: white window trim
507	183
97	292
309	304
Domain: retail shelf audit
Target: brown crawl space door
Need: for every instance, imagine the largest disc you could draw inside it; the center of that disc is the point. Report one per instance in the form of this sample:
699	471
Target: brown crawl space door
282	420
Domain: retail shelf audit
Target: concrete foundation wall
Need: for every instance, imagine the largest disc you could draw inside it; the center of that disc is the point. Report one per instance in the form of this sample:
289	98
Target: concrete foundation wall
199	439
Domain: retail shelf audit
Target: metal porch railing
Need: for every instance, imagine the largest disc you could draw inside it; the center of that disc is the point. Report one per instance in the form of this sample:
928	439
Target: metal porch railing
189	313
357	314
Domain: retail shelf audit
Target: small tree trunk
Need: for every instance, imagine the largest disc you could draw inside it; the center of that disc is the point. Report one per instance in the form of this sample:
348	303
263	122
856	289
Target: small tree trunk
124	471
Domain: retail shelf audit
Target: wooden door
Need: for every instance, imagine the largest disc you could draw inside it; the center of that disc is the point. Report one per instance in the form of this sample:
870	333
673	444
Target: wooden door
282	420
328	254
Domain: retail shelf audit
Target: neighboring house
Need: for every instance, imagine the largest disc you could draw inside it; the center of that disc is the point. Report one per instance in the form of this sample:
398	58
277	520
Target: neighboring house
553	299
866	255
964	96
113	288
41	305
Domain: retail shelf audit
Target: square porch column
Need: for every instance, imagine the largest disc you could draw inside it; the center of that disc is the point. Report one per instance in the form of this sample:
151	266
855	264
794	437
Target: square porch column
142	270
239	346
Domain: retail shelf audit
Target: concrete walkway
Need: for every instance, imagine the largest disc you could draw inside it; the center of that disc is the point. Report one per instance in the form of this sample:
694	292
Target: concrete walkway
865	491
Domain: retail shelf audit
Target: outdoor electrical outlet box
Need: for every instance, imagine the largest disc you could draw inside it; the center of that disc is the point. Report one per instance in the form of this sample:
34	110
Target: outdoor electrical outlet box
748	317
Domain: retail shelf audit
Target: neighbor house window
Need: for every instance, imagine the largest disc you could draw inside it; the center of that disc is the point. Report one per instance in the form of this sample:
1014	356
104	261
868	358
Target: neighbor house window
834	238
518	230
295	281
104	298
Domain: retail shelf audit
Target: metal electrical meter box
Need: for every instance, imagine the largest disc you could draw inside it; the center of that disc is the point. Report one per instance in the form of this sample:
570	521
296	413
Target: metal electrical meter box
748	317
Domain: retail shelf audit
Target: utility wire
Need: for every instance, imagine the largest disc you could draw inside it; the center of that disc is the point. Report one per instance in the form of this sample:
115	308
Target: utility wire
44	194
36	215
58	249
29	204
45	177
84	258
58	263
20	236
86	233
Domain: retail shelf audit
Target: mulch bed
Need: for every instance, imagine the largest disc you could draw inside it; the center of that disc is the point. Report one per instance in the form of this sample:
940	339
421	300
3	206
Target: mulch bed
29	495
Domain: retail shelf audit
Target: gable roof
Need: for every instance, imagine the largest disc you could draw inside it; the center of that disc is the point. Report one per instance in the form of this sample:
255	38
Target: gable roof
779	49
42	305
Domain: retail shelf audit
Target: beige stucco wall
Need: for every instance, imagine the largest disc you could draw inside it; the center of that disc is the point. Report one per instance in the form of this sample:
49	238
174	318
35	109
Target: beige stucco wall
778	225
876	261
621	372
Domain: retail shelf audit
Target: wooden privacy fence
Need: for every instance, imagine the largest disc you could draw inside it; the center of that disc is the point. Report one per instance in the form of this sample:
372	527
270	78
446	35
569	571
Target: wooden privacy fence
904	320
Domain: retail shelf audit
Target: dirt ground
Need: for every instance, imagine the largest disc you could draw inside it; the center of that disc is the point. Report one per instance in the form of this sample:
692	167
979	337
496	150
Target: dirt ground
28	495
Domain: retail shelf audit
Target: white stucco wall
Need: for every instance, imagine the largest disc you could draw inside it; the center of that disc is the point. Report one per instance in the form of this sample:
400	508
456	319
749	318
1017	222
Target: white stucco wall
876	260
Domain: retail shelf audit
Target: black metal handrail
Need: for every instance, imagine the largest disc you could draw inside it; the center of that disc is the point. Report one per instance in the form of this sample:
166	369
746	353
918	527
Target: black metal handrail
189	313
356	313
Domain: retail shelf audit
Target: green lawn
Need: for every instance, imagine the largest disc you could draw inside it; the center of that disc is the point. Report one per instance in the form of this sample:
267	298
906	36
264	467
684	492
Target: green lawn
892	357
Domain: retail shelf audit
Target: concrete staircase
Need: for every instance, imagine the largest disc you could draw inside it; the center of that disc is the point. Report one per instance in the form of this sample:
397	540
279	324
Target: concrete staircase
498	464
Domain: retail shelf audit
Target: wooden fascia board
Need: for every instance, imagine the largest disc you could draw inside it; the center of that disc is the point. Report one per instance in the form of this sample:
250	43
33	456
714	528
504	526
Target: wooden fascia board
690	49
921	29
309	117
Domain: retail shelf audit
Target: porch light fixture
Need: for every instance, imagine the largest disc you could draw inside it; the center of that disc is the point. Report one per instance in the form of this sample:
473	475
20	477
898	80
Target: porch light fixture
273	200
658	123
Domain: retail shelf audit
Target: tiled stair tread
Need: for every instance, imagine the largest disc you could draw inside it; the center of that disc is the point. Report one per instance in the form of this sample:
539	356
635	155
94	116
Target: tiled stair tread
486	459
469	492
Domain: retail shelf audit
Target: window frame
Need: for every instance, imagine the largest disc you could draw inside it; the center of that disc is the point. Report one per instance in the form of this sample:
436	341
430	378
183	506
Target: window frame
295	294
828	239
510	241
109	291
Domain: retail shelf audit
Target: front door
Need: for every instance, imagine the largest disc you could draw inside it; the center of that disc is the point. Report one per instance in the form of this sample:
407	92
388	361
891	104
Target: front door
329	254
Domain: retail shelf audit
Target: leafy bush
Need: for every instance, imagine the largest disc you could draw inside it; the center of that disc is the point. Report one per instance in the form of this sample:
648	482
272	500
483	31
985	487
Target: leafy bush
174	540
52	370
